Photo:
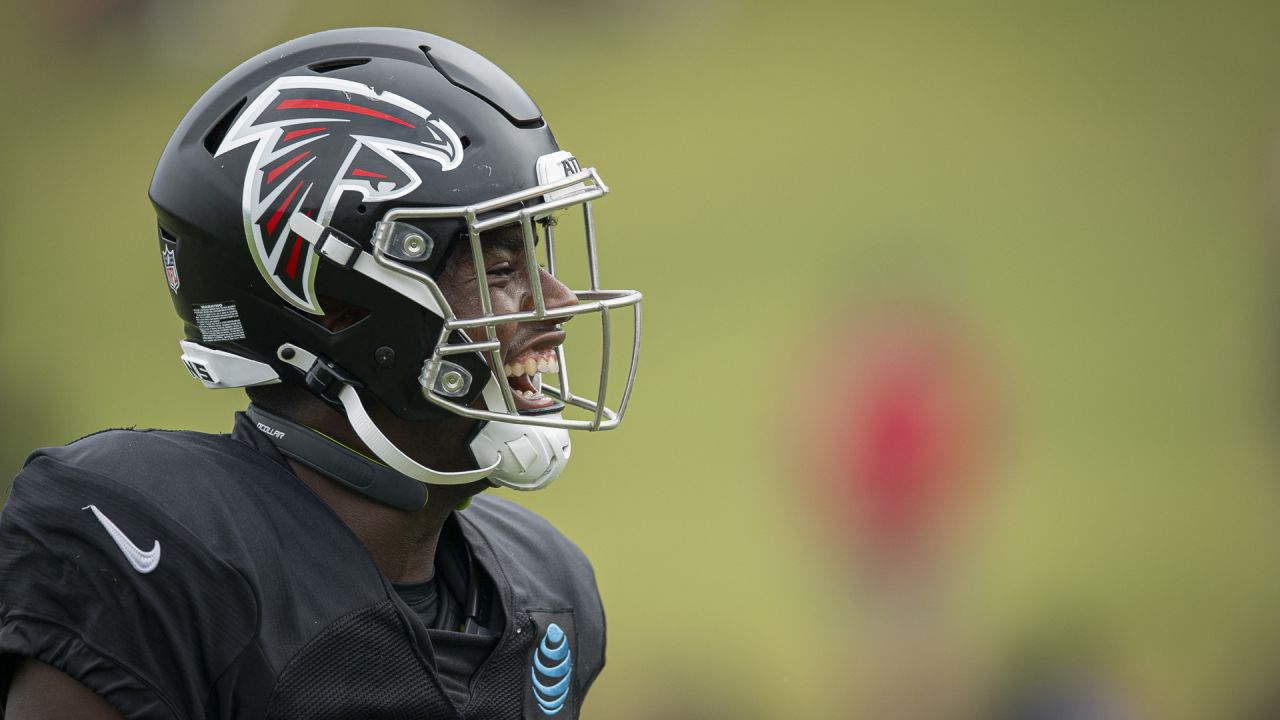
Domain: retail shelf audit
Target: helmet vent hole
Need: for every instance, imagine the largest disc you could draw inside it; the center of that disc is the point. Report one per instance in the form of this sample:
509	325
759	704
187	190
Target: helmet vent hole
329	66
362	209
338	315
220	128
466	142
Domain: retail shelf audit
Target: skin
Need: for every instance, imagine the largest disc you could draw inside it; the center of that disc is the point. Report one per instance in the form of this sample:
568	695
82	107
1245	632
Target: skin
402	544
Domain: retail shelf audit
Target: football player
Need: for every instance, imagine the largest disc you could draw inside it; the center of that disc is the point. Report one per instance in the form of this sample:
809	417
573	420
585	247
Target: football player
359	227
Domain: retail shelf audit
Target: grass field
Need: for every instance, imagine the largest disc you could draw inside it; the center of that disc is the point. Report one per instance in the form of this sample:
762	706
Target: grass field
1088	185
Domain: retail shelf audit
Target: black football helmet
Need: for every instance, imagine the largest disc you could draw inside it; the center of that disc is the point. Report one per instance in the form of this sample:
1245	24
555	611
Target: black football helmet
343	168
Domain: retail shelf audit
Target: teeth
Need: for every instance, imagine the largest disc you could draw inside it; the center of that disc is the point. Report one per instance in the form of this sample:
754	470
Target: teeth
546	363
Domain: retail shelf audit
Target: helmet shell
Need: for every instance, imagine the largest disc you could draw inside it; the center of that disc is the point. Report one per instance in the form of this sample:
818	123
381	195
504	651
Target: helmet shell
221	176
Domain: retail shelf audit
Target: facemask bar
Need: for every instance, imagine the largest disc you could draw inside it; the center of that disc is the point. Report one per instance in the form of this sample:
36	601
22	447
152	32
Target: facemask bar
577	189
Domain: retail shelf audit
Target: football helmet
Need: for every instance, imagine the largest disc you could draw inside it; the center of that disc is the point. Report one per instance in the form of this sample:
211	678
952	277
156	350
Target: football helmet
342	169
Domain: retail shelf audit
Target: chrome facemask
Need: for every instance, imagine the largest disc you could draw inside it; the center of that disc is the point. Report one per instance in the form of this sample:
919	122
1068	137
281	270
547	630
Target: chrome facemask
443	381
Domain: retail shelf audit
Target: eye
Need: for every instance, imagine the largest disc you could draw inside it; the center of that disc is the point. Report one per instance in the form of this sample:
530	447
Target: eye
501	271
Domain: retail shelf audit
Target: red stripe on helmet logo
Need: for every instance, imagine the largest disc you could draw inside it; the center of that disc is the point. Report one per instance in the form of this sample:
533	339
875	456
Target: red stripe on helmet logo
299	133
305	104
271	176
275	219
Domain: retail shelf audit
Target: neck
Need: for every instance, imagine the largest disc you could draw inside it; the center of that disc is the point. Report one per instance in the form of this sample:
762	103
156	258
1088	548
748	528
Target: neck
402	544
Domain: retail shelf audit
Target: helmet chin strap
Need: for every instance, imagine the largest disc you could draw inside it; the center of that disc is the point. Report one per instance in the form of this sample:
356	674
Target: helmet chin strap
387	452
373	437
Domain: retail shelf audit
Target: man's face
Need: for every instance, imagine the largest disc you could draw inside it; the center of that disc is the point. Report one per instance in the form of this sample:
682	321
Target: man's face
528	348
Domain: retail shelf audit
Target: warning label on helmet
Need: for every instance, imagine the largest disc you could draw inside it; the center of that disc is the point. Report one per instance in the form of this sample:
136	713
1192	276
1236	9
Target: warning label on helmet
218	322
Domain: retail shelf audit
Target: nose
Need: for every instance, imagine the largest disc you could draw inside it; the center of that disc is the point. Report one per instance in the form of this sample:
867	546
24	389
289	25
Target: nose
555	294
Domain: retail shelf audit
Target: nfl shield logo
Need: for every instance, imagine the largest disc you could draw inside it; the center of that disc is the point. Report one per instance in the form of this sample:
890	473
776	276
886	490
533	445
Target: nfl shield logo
170	267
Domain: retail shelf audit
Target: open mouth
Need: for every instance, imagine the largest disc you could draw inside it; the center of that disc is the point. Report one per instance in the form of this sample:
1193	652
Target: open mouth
524	375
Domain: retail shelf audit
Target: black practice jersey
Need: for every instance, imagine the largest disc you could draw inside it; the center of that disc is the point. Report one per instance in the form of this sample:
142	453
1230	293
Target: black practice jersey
186	575
458	605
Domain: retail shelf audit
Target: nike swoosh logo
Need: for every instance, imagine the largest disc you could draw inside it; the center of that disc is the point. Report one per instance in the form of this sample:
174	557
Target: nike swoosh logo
143	562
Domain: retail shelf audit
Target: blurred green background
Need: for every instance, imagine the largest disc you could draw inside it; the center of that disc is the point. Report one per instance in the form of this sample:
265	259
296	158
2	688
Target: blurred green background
1088	186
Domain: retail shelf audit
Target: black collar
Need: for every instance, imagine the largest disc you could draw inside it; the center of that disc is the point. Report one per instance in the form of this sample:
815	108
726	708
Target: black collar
335	460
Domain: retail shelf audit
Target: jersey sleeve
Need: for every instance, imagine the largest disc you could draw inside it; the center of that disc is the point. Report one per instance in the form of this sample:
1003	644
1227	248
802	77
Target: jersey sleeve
99	582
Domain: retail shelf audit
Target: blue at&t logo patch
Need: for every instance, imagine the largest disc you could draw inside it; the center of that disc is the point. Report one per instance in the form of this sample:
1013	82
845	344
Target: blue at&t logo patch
552	670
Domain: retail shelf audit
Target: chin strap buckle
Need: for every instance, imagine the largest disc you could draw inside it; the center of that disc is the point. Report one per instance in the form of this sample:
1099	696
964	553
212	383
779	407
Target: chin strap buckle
326	380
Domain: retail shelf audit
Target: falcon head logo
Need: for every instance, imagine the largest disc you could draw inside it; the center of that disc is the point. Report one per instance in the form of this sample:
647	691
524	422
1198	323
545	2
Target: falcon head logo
314	139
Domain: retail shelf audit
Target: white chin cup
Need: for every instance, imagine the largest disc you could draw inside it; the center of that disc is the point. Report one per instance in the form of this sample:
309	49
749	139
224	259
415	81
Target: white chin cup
528	457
